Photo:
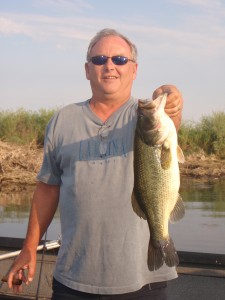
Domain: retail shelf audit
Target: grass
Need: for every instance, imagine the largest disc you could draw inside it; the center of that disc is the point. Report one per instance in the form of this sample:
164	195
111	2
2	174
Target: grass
208	135
24	127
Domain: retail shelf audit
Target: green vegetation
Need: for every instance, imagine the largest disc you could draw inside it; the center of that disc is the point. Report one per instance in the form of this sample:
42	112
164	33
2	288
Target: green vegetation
24	127
207	135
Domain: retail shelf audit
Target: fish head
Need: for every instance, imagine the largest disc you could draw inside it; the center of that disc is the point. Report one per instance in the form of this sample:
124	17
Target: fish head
150	116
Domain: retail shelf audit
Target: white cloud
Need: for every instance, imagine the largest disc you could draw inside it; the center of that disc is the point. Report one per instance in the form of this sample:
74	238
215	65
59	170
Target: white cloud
11	27
205	22
205	8
42	27
75	5
205	4
195	35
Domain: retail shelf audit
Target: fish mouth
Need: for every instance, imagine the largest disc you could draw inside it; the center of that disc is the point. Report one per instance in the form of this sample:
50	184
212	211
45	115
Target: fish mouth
147	104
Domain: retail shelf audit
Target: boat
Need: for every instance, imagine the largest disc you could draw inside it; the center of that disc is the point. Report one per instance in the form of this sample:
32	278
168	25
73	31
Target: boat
200	275
40	288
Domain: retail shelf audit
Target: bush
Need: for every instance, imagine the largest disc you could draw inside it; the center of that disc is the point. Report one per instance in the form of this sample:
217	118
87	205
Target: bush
208	135
23	127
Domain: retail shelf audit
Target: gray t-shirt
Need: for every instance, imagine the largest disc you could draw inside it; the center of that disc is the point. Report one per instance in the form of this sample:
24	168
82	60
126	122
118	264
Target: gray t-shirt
104	243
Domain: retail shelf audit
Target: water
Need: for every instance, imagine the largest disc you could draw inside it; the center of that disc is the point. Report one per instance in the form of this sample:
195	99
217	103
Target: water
203	227
14	215
201	230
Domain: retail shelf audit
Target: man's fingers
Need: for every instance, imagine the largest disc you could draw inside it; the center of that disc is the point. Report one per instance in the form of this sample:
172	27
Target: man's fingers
157	93
14	281
16	277
30	275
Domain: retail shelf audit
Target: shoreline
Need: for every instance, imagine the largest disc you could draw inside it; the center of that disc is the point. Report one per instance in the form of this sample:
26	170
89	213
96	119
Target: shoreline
19	166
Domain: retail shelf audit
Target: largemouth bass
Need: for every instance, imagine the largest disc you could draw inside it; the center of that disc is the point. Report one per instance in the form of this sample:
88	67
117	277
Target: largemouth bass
157	179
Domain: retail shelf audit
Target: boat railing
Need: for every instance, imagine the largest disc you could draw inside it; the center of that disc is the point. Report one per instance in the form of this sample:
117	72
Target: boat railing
46	246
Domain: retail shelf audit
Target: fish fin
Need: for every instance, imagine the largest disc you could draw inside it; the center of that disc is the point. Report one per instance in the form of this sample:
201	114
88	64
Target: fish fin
178	211
169	253
155	258
160	252
136	207
180	155
166	158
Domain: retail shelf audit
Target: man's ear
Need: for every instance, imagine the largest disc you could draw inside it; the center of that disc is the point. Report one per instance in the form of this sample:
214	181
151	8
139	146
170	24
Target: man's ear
87	71
135	71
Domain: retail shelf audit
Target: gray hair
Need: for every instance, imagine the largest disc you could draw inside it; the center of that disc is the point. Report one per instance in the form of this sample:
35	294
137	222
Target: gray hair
111	32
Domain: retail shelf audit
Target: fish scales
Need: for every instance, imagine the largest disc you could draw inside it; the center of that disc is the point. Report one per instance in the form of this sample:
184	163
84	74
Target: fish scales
149	178
157	180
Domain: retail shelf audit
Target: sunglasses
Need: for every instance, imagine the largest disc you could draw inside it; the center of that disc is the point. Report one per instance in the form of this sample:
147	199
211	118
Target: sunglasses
117	60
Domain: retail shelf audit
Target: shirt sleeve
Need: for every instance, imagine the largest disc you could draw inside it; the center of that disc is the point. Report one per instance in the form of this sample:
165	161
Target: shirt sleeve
50	172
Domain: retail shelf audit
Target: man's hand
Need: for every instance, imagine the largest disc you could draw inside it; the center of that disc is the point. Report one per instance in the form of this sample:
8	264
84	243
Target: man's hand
23	268
44	205
174	104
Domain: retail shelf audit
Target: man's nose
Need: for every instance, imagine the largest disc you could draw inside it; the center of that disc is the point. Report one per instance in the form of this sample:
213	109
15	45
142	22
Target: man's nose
109	63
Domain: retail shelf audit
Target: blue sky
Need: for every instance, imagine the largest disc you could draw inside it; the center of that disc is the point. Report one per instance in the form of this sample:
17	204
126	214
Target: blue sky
43	47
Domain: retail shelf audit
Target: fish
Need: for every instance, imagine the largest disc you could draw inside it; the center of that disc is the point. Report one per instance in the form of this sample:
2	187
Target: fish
156	195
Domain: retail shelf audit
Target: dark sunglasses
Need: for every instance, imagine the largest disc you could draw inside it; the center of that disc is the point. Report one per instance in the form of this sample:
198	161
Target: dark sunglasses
117	60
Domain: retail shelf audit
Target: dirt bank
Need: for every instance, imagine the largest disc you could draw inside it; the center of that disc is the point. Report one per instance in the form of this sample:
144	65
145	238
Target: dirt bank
20	164
203	167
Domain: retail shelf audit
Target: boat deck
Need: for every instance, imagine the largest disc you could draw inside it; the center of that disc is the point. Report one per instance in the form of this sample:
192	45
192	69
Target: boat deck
201	276
201	282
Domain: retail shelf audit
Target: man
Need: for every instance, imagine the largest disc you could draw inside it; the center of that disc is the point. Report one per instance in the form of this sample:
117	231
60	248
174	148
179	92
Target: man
88	171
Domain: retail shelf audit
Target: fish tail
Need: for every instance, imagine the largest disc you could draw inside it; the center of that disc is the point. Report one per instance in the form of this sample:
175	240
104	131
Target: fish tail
160	252
170	254
155	257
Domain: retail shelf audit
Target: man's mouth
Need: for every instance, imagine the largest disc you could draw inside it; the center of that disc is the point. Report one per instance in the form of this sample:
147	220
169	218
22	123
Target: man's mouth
109	77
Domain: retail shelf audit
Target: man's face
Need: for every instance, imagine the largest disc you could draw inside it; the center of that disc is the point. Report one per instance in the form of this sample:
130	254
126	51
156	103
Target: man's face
110	80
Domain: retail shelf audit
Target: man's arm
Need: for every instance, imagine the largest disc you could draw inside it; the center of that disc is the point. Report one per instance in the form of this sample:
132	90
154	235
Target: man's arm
44	205
174	104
